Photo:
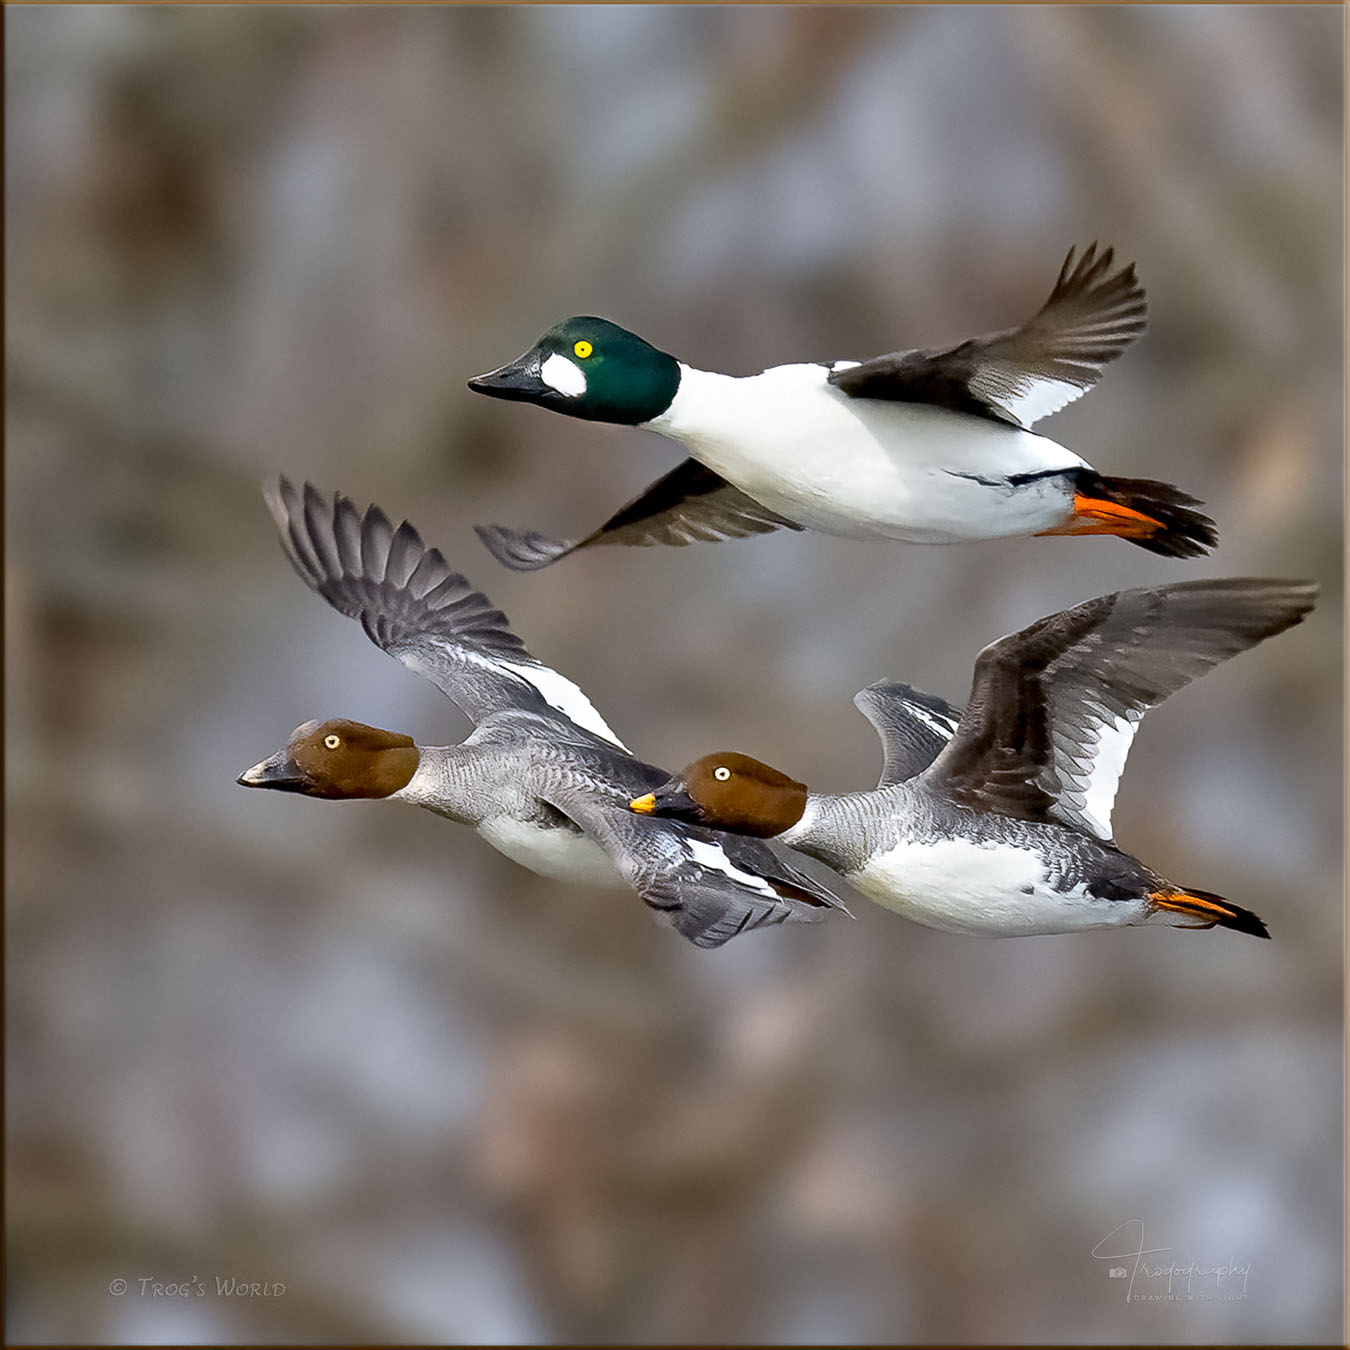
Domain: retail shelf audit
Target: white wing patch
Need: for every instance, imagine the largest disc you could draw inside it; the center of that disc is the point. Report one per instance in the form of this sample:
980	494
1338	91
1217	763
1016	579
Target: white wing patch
556	690
935	722
1025	397
563	375
559	692
712	857
1100	774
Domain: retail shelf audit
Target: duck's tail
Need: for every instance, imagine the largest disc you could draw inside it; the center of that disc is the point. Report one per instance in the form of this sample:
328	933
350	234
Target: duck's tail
1154	515
1207	909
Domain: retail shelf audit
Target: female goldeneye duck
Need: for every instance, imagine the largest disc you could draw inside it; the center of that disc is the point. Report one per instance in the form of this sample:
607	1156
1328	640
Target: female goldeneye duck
1007	831
739	793
930	447
542	778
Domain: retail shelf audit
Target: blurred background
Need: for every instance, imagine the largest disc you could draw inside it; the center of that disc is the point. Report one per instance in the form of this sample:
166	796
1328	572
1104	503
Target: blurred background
347	1049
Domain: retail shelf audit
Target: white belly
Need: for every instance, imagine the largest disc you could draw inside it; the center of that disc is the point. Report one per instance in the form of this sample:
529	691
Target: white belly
865	467
992	889
562	855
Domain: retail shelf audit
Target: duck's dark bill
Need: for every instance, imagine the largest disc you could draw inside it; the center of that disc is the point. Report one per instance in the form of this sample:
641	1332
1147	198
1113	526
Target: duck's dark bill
672	802
278	773
520	380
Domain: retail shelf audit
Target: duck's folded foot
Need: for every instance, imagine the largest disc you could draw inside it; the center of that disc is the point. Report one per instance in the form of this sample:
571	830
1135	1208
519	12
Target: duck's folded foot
1208	909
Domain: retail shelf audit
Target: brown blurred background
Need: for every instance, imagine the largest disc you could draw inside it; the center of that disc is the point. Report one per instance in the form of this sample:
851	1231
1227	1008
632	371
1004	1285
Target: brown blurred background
349	1049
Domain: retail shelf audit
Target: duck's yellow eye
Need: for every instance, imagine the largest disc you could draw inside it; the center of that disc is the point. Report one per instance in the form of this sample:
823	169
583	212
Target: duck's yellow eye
583	348
721	773
332	740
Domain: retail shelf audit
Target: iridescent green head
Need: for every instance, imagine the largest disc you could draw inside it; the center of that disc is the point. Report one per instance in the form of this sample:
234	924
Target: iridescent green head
588	367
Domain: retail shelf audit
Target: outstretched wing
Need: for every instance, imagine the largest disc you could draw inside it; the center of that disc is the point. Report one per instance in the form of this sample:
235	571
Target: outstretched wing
708	886
1053	708
414	607
689	504
1022	374
914	727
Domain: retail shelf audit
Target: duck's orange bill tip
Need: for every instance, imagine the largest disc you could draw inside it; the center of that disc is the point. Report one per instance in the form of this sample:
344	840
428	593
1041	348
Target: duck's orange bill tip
644	806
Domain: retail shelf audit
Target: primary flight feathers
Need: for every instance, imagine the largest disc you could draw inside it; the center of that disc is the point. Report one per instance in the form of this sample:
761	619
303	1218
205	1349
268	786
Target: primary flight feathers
1053	708
417	609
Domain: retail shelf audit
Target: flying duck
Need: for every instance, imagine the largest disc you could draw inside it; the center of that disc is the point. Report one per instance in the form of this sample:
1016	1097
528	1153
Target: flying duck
542	777
932	447
1006	830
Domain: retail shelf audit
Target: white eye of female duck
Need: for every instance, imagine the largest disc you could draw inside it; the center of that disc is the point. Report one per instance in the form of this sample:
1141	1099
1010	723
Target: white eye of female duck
332	740
721	773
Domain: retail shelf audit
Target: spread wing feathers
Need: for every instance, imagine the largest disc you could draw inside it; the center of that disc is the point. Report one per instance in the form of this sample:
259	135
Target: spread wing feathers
914	727
414	607
691	503
708	886
1053	708
1022	374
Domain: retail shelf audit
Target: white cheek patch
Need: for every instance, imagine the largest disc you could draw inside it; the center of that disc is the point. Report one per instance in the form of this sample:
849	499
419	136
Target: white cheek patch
563	376
711	857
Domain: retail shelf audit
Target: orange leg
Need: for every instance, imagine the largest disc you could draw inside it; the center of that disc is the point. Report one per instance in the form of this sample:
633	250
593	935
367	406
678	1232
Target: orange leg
1093	515
1180	902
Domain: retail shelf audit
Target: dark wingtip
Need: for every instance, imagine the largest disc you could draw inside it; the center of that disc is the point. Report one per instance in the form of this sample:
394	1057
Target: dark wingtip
522	550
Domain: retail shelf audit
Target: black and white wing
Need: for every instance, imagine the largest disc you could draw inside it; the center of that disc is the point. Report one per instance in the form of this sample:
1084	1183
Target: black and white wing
689	504
709	886
1022	374
1053	708
914	727
414	607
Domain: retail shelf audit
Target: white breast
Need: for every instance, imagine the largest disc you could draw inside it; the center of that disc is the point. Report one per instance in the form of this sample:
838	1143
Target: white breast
987	888
864	467
561	854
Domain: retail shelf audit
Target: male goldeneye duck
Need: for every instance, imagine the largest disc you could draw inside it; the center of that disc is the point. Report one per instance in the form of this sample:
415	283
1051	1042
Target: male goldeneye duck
1008	830
542	777
933	447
